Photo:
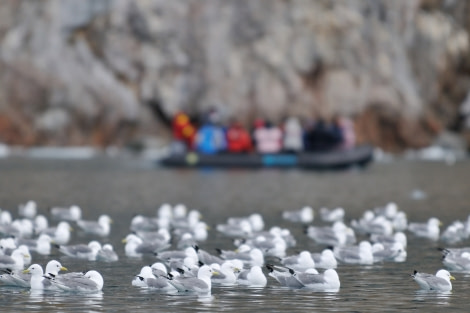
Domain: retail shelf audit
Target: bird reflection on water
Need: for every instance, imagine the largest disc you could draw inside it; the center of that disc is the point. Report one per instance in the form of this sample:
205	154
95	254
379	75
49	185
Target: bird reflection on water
66	300
436	297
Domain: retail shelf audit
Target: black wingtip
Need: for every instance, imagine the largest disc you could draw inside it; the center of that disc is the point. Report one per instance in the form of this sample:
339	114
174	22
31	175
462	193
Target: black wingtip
444	250
56	246
49	276
219	251
270	267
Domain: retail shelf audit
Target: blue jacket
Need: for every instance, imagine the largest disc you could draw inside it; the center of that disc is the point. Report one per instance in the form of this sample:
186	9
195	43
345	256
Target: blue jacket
210	139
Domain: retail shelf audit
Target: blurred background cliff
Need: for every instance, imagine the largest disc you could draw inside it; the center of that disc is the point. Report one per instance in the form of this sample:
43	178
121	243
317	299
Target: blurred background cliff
109	72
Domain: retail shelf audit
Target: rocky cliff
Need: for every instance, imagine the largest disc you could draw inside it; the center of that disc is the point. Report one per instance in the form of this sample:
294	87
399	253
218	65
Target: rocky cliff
76	72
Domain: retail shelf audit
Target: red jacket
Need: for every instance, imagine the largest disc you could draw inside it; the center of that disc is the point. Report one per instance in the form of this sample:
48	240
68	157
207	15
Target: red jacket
183	129
238	140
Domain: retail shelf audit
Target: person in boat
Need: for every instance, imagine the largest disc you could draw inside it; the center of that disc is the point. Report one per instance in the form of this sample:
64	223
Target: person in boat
346	126
322	136
258	123
268	138
210	138
183	132
292	140
238	138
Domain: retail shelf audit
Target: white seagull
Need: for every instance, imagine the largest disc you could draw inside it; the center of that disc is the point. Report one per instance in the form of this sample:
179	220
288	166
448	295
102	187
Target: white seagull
101	228
28	210
428	230
15	261
136	247
332	215
71	214
226	272
41	245
361	254
91	282
300	262
438	282
254	277
107	254
326	281
304	215
38	279
81	251
60	234
326	259
284	277
200	284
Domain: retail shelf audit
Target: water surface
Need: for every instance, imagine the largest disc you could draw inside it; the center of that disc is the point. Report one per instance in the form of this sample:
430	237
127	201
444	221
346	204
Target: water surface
123	188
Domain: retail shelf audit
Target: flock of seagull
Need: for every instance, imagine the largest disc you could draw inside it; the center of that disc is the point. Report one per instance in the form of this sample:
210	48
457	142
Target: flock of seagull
31	233
256	251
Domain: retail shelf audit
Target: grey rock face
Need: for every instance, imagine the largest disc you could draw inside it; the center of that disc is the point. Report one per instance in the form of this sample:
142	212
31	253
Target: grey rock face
90	67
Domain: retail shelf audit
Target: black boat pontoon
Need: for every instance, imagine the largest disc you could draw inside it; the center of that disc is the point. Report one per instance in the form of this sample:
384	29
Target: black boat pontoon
336	159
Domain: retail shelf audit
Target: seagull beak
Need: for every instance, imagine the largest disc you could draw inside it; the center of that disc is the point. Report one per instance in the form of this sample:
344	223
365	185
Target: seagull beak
124	240
26	271
63	268
452	277
215	273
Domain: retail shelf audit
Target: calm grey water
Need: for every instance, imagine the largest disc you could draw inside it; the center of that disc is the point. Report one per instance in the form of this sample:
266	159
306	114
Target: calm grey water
123	188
